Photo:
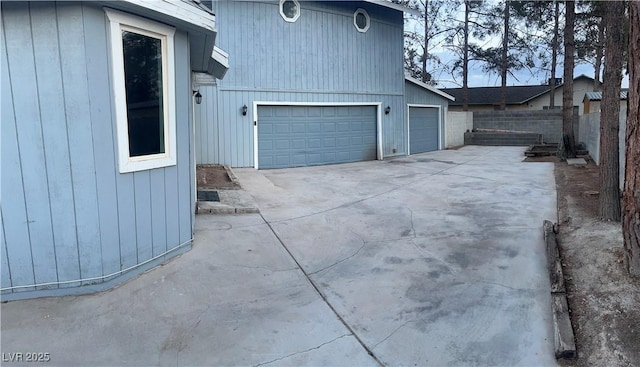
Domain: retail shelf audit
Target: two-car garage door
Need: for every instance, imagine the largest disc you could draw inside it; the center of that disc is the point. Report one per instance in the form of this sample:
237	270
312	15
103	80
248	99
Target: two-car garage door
294	136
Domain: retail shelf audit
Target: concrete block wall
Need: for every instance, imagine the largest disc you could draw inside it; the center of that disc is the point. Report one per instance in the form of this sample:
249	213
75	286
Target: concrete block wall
456	125
590	136
545	122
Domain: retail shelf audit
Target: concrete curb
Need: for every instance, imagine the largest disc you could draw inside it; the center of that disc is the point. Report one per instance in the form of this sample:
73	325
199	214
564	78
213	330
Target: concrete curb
231	202
564	339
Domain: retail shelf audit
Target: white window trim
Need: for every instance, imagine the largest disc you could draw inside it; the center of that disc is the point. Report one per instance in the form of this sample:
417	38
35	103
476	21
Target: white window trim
366	15
119	21
284	16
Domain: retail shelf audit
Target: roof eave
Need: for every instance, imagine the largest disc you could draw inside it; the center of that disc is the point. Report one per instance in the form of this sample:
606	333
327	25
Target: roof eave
429	88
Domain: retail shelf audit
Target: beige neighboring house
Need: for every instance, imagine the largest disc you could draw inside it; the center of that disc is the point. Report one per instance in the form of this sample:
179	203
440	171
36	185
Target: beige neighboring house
522	97
591	101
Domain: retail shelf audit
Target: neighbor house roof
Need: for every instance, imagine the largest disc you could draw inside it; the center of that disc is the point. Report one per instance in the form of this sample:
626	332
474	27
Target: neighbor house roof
429	88
516	95
492	95
597	96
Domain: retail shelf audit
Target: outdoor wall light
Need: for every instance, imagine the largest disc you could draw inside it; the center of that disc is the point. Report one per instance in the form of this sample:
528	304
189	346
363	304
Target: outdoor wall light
244	110
196	93
387	110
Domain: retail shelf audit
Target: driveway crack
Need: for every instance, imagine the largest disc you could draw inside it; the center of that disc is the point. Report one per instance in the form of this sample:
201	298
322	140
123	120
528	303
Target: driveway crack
392	333
303	351
364	243
324	298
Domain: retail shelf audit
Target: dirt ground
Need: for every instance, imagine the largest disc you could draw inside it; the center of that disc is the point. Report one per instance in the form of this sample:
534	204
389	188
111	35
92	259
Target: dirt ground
213	176
604	300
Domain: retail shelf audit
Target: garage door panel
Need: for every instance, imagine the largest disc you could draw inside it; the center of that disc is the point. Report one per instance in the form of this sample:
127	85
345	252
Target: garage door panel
298	127
298	144
343	142
282	129
329	142
314	143
423	129
329	127
315	135
314	127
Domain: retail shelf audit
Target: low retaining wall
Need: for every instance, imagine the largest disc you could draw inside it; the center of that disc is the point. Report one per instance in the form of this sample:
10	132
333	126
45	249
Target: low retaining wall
545	122
502	138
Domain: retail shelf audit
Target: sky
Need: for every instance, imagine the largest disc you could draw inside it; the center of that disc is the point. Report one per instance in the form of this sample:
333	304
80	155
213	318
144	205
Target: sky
480	78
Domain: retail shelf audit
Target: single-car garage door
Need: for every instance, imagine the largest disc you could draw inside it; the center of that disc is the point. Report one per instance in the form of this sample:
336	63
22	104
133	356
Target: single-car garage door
423	129
294	136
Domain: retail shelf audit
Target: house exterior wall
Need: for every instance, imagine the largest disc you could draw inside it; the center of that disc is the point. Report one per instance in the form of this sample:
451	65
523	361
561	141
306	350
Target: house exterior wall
319	58
580	87
417	95
69	218
594	106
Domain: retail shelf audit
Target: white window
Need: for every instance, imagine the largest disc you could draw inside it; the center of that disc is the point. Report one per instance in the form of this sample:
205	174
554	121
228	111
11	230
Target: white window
290	10
143	77
361	20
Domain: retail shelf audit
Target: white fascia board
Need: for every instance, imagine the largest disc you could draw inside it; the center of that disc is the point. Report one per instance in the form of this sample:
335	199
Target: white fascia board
220	56
180	10
390	5
219	63
429	88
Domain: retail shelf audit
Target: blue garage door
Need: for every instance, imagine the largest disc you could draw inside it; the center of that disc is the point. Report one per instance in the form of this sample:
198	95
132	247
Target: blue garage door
423	129
294	136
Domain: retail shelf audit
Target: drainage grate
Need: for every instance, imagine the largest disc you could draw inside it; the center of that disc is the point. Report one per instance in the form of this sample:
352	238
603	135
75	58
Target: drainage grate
208	195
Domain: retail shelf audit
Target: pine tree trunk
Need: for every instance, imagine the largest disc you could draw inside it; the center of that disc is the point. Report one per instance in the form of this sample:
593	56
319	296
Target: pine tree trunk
568	140
465	59
505	48
631	195
425	54
597	86
554	56
610	117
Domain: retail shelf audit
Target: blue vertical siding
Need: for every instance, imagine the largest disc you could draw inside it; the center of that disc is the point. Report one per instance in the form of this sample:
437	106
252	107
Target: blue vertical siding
76	105
31	146
15	225
103	134
5	272
319	58
69	217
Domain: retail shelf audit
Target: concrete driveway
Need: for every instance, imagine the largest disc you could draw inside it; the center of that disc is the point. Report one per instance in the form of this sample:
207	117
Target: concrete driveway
430	260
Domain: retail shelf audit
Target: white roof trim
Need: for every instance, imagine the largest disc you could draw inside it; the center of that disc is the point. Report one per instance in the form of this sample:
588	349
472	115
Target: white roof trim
429	88
390	5
221	58
179	10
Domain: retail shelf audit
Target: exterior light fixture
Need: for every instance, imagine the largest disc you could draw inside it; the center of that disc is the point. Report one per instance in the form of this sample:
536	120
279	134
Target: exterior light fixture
244	110
387	110
196	93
